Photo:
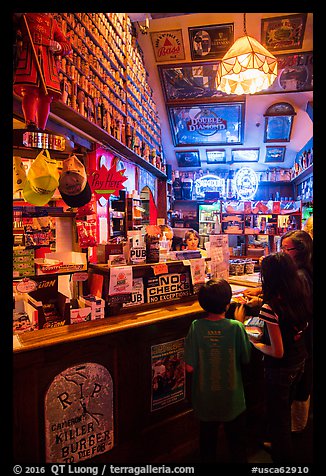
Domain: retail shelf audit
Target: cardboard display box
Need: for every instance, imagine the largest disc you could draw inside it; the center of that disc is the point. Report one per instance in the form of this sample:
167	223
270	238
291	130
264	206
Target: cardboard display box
24	317
104	251
97	307
62	310
81	314
47	296
64	262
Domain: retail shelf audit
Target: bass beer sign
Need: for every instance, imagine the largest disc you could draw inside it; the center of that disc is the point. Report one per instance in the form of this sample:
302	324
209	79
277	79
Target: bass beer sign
168	45
168	287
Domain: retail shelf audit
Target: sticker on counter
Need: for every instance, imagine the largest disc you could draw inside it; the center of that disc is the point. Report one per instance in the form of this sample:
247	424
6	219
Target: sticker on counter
168	287
197	267
137	296
138	254
161	268
26	286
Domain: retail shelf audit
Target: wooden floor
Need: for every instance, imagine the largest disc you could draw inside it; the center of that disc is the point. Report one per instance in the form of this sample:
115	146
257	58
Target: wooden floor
302	442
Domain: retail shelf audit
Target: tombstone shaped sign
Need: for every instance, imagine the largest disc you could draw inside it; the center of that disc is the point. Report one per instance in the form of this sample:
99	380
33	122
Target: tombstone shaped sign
79	414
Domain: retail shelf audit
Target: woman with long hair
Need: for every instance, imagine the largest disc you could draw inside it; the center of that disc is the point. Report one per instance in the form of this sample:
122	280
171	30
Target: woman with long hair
285	312
192	242
299	245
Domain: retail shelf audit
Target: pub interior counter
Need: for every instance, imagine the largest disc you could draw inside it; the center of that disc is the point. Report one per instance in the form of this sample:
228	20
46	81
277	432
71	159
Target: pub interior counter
118	354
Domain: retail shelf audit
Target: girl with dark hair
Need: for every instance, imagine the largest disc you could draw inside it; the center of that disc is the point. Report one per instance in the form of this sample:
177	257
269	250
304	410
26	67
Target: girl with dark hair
299	245
285	312
192	242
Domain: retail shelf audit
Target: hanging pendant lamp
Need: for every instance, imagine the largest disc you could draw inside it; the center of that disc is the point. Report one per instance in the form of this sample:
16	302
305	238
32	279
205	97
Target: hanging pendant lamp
247	67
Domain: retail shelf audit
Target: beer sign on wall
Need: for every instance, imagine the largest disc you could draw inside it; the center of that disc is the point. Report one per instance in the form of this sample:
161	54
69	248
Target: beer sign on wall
79	414
168	45
209	183
211	124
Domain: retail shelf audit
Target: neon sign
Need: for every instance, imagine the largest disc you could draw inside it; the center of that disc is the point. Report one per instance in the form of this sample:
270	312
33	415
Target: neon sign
209	183
246	183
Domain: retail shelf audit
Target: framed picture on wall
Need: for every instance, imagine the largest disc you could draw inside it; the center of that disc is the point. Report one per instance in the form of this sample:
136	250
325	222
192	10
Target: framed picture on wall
278	122
294	73
245	155
188	158
275	154
207	124
197	81
284	32
168	45
278	128
207	42
189	81
217	156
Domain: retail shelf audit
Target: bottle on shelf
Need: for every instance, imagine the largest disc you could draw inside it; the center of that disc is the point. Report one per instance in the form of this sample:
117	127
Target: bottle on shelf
152	240
230	185
186	186
164	248
177	189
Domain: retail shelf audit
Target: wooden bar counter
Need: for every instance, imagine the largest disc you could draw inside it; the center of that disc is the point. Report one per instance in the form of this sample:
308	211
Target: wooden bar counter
144	430
122	344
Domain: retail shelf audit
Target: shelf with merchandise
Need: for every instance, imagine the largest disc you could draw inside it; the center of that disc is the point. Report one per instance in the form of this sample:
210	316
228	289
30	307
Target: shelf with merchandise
242	220
103	53
61	112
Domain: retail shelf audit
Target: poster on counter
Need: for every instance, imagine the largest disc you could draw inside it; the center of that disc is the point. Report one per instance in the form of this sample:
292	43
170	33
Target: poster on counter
168	374
220	255
79	414
198	272
120	285
167	287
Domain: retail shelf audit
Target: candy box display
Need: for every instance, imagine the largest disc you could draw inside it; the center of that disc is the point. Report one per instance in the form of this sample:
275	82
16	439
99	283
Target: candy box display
53	307
61	262
53	313
185	254
24	317
23	262
232	206
81	314
95	304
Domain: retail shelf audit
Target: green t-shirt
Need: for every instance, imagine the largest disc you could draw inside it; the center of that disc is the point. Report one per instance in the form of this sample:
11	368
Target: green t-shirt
216	350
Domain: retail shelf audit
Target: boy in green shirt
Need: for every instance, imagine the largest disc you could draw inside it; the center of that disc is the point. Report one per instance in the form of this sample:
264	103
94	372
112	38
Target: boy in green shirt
215	349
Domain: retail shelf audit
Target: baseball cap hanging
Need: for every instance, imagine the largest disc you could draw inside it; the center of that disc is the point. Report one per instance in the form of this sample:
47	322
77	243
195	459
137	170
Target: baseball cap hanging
73	186
42	179
19	175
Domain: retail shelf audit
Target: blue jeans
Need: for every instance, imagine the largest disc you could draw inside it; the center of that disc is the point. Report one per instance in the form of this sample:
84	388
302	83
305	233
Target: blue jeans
280	386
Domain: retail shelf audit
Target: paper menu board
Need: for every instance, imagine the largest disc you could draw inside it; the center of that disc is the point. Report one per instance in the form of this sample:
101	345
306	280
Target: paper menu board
220	255
198	270
120	280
